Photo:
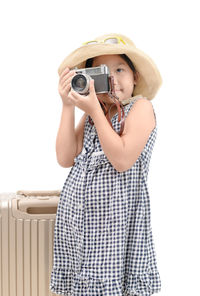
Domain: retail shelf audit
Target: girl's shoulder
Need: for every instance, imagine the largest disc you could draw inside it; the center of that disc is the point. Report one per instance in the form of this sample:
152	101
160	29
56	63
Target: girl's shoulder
133	99
146	102
140	114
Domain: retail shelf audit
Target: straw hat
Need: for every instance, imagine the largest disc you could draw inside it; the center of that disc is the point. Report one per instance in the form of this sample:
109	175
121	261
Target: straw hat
149	79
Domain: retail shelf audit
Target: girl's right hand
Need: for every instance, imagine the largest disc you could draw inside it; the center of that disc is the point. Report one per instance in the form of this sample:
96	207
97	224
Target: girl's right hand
64	85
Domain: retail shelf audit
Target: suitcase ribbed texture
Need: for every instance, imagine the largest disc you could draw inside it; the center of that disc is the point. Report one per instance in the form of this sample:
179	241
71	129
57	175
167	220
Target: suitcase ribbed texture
27	221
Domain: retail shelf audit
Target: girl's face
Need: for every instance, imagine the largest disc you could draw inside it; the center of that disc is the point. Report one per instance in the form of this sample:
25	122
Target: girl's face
123	77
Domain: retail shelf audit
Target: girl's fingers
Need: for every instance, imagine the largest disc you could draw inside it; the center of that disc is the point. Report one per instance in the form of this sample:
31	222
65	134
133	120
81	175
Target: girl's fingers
92	88
64	90
74	94
64	72
67	88
77	95
71	97
67	81
67	76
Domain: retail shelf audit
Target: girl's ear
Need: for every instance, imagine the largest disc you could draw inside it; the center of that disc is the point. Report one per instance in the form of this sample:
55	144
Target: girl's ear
136	77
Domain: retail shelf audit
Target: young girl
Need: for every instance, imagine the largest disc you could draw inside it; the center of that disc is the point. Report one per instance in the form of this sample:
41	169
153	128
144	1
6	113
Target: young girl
103	241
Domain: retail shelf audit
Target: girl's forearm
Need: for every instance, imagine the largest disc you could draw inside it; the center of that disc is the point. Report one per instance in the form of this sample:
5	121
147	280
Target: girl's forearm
66	143
110	141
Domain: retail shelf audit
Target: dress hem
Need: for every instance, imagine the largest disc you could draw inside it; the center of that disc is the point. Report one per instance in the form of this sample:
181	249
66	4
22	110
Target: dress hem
73	284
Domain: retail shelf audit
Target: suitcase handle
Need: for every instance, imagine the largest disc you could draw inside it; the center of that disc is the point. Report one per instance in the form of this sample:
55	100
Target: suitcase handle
35	204
39	193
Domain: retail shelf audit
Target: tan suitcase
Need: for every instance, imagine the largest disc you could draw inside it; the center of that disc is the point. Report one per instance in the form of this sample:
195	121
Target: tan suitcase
27	221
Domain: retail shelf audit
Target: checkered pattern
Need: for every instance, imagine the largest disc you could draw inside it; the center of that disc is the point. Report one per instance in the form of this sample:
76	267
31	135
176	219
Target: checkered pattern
103	242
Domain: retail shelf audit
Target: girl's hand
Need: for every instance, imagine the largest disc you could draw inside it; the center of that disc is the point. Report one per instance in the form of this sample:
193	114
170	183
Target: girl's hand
88	103
65	85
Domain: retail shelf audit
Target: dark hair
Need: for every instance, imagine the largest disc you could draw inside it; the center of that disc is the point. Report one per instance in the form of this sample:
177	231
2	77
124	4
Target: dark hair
89	63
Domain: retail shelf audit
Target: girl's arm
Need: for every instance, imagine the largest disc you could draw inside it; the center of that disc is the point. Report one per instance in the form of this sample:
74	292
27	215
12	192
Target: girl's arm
66	143
123	151
64	149
67	138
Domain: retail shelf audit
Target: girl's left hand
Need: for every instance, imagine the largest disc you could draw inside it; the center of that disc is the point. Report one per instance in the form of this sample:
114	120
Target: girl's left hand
88	103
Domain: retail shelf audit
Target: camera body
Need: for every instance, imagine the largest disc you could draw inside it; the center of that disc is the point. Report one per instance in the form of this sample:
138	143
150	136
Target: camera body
81	81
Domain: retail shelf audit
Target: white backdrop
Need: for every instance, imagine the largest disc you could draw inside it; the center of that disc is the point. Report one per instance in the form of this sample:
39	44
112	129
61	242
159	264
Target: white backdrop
35	38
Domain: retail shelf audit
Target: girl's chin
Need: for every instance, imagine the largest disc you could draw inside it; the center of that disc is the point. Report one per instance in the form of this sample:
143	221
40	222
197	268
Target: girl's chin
106	99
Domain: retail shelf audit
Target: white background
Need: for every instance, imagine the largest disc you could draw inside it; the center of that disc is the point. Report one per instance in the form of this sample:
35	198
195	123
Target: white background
35	37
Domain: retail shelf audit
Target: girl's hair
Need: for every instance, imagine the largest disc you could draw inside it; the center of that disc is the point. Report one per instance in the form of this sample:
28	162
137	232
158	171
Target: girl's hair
89	63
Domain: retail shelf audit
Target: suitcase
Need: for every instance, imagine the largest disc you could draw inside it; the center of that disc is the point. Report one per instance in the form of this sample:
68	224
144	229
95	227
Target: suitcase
27	220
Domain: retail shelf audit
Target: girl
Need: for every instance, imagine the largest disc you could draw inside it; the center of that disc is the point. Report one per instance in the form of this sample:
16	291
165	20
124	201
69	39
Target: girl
103	241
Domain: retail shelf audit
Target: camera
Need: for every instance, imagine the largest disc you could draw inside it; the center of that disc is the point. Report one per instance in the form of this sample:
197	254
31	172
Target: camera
81	81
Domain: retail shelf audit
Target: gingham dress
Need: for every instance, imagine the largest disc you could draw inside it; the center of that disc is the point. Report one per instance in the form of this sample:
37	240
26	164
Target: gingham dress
103	242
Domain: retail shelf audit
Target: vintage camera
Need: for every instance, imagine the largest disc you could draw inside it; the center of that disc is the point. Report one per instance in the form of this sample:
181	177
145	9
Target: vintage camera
81	81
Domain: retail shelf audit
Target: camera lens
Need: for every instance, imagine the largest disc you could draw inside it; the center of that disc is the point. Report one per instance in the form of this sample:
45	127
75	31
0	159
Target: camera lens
79	83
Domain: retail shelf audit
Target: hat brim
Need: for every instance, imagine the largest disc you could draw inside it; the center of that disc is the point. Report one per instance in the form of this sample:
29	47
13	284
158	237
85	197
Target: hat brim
149	76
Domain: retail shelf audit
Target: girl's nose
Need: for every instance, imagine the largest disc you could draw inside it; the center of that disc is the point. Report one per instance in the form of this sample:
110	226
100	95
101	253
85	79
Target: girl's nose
114	78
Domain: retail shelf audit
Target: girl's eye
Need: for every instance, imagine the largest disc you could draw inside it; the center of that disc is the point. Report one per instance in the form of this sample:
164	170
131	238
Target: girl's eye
120	70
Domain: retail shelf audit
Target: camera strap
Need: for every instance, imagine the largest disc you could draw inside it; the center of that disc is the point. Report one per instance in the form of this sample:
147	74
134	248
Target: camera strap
117	102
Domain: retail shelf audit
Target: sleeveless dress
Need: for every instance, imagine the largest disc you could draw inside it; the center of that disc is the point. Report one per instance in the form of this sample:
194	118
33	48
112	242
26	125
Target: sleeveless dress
103	241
